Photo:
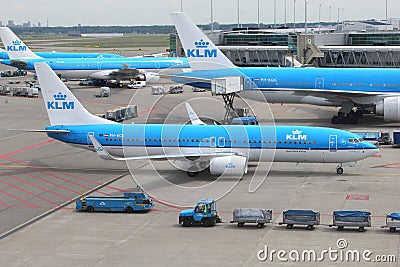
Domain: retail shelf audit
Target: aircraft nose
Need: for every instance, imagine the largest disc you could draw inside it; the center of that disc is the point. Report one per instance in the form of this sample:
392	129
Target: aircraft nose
370	149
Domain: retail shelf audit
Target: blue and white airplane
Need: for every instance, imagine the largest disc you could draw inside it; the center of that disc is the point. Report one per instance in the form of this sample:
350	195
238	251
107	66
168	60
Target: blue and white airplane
139	68
355	90
4	55
226	149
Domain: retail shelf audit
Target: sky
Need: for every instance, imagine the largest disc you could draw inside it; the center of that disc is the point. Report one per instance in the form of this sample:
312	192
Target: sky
156	12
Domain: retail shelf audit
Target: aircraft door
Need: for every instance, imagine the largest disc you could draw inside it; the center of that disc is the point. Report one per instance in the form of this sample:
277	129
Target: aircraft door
333	143
319	83
221	142
213	141
89	142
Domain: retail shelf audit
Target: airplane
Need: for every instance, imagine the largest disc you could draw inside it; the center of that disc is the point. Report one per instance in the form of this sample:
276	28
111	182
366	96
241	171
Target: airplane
225	149
4	55
355	90
95	68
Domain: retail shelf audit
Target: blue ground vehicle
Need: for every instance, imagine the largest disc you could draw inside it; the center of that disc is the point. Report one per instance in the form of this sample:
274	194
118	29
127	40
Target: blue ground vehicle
203	214
129	202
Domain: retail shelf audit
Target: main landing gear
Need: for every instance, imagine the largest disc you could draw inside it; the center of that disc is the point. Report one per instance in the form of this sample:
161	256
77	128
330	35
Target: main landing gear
347	118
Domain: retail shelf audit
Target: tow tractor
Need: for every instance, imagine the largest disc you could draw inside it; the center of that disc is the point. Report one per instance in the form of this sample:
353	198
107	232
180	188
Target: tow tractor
204	213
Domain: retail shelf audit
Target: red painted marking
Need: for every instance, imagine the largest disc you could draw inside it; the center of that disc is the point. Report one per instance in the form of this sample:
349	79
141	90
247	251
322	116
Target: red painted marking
357	197
3	204
29	193
19	199
394	165
376	156
59	178
33	185
26	148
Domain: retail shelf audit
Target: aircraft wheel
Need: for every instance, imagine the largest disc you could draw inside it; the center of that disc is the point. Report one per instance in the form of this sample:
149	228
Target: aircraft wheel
192	174
335	120
89	209
339	170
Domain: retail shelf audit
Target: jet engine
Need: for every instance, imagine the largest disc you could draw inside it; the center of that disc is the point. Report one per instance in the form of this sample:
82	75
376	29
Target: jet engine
149	77
228	165
389	108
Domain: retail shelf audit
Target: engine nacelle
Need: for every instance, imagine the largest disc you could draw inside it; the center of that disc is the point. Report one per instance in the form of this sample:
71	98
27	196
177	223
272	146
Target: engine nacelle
149	77
228	165
389	108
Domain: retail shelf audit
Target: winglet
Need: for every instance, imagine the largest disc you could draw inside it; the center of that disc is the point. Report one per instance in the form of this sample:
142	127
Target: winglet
16	49
193	116
100	150
201	52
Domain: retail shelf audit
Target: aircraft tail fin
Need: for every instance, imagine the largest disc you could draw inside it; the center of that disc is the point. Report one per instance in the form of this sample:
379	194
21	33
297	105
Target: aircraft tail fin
200	50
62	106
16	49
193	116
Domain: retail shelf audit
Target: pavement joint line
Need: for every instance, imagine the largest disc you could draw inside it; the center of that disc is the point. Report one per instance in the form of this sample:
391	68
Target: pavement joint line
49	212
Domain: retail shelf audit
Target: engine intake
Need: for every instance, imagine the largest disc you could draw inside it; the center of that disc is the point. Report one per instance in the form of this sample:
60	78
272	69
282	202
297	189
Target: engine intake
228	165
389	108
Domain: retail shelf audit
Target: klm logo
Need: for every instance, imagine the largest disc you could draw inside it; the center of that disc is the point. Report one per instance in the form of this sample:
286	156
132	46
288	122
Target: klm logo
60	103
230	165
296	136
201	50
16	47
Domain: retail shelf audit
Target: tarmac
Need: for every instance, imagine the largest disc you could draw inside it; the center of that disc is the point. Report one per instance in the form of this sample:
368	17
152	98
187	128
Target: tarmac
38	174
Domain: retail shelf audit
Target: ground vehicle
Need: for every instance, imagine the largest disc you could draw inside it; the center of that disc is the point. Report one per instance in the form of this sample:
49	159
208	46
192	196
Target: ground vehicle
251	215
129	202
246	120
175	90
392	221
352	218
137	85
157	90
378	137
301	217
86	82
204	214
104	92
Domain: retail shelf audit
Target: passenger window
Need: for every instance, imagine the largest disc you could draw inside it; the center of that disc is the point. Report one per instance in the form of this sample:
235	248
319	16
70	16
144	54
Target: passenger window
106	139
315	142
155	139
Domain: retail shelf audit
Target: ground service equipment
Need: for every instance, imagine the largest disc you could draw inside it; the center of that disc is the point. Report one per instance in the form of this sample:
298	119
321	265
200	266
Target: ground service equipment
392	221
300	217
129	202
352	218
251	215
204	213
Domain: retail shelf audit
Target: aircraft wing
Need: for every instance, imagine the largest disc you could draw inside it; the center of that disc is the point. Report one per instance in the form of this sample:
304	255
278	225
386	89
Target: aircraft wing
19	63
104	154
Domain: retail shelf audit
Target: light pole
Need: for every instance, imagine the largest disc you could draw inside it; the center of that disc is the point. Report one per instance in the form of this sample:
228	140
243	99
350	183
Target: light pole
212	17
275	14
181	5
305	31
238	10
258	13
285	13
386	22
294	16
330	15
319	17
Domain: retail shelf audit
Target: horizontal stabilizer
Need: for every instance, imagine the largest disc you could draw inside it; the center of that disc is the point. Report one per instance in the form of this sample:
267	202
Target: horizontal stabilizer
39	131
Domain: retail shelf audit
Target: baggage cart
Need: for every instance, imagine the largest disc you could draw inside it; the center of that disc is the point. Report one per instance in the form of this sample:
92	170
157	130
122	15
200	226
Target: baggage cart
351	218
251	215
300	217
392	221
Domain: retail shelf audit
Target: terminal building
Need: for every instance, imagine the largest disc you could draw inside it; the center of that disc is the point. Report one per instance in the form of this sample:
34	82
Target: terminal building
349	44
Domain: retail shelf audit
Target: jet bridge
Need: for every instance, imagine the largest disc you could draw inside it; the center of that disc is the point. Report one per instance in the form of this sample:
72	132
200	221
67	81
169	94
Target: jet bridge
228	87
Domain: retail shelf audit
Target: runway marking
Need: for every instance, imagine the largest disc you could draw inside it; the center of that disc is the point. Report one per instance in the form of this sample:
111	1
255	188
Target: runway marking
63	179
34	185
393	165
357	197
27	148
29	193
19	199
